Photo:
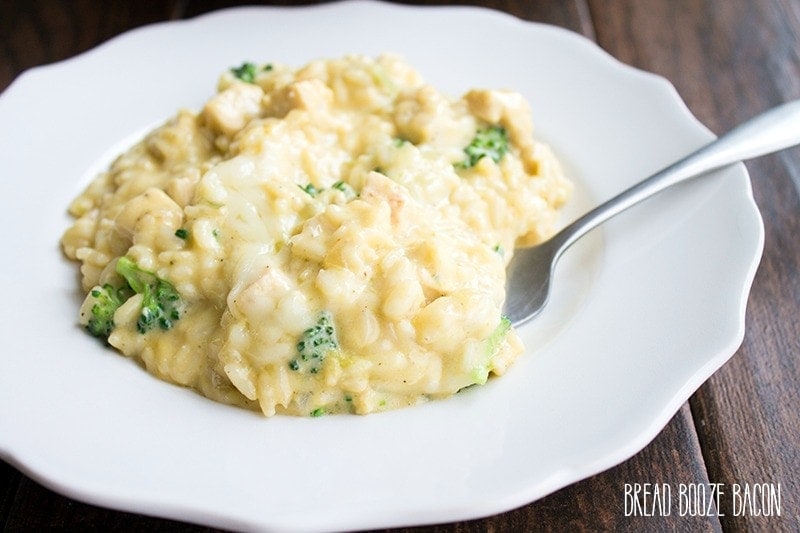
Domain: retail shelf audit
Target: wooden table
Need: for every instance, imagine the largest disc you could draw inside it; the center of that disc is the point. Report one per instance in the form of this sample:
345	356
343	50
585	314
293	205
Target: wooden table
729	59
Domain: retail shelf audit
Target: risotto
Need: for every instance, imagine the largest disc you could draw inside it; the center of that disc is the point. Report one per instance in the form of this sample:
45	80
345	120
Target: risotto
324	239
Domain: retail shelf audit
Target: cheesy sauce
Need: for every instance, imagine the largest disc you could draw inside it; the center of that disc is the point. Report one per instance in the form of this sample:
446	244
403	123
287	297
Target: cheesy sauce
337	241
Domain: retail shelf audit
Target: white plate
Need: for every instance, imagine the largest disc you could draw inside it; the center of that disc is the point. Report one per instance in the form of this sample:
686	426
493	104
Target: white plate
645	309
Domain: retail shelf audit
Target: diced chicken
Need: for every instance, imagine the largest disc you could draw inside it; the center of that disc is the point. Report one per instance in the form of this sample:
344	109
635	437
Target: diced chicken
310	94
506	108
231	109
155	203
378	188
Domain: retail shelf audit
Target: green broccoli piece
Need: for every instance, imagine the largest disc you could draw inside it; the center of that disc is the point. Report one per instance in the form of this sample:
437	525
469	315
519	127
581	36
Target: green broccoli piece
488	142
313	191
314	344
161	303
480	374
247	71
346	188
107	300
310	189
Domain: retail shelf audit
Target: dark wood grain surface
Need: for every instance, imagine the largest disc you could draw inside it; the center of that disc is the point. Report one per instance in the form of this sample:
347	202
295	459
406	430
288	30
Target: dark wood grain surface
728	59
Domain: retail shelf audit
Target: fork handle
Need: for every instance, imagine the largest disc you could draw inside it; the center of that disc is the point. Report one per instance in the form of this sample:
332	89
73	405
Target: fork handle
771	131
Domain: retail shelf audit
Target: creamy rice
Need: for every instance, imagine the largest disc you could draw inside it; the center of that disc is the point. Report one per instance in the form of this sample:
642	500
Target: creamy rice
333	203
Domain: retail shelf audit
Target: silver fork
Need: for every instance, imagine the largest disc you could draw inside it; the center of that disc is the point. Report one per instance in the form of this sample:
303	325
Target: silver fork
530	271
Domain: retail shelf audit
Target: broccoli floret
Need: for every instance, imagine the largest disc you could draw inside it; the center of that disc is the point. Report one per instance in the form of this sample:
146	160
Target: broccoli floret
161	303
399	141
107	300
314	344
488	142
319	411
313	191
310	189
346	188
247	71
480	374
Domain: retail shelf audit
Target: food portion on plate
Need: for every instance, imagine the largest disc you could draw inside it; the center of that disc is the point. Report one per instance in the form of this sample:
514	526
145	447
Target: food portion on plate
324	239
